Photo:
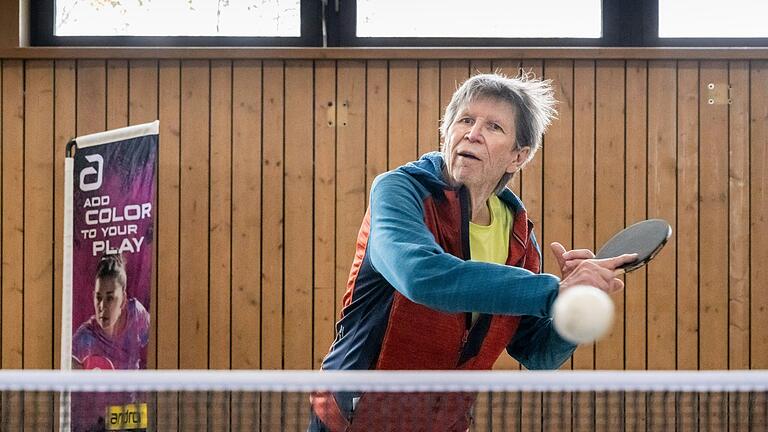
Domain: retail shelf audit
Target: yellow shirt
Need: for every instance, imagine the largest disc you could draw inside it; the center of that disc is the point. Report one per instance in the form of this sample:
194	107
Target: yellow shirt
491	243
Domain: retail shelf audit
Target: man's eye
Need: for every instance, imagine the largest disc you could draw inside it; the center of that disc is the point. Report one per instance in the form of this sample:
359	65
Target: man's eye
465	120
496	127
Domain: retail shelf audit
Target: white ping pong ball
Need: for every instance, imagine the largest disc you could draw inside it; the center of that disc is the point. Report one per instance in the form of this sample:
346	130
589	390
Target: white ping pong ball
582	314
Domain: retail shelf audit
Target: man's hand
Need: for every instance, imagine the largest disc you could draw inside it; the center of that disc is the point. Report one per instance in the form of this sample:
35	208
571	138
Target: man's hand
569	260
598	273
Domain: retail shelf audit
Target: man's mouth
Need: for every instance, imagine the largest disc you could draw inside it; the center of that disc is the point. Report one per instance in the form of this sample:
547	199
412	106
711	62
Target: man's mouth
468	155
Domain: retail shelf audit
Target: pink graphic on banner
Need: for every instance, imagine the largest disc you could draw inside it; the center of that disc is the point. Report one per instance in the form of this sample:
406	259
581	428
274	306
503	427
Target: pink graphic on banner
113	223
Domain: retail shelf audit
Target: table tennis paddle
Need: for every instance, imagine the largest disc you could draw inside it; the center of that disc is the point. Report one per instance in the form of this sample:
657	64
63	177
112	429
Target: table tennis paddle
645	238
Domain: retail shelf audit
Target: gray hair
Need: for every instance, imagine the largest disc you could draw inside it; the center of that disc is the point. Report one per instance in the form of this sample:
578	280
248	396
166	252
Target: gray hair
531	98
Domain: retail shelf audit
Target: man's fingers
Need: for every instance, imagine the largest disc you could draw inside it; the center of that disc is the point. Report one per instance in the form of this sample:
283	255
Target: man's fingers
558	250
578	254
612	263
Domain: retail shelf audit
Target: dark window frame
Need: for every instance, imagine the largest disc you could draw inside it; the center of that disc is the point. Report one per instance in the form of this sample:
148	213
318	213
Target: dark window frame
42	16
625	23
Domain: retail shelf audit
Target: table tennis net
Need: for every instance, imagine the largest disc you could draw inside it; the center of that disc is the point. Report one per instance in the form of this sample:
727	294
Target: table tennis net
383	401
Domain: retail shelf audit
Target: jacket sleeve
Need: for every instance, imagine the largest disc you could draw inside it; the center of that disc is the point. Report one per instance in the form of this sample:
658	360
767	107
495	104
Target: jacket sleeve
537	345
404	251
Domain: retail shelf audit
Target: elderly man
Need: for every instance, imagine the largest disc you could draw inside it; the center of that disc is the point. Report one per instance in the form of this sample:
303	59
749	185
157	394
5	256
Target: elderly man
447	269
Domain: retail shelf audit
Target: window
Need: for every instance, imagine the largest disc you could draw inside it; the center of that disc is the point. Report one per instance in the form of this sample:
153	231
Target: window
176	22
480	18
713	19
278	18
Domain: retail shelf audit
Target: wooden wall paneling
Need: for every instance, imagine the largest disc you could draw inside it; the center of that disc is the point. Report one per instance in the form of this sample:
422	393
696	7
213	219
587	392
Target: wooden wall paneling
510	68
428	102
246	214
557	153
13	213
661	203
142	108
635	290
686	235
168	210
194	160
324	240
738	233
480	67
298	220
403	112
220	258
64	130
273	235
38	233
609	204
635	209
247	228
584	182
220	236
376	127
738	216
532	194
91	96
168	233
452	74
758	215
272	245
117	94
350	165
713	214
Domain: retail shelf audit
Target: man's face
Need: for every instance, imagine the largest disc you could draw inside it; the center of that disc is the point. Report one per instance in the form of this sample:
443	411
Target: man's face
481	142
108	299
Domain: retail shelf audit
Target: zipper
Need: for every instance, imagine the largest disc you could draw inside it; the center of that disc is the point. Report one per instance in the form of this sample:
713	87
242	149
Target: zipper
464	204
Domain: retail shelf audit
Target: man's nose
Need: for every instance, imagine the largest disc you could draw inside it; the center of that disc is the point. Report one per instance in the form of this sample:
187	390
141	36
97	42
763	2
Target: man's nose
475	132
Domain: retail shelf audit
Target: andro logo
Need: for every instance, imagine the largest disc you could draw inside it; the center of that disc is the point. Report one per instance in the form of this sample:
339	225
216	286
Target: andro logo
127	417
85	184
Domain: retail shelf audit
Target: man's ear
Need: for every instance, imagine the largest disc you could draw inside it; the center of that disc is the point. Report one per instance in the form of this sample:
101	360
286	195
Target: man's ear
521	155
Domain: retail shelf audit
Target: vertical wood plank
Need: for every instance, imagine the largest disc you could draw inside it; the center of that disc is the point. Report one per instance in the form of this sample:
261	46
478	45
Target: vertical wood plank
38	233
584	182
738	216
758	191
220	288
661	203
428	123
168	234
636	191
38	214
220	236
272	216
532	195
479	66
91	96
325	211
350	166
13	213
193	216
532	175
557	151
117	94
64	130
510	68
298	220
687	226
609	205
246	214
403	112
713	214
452	74
142	108
376	125
168	206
